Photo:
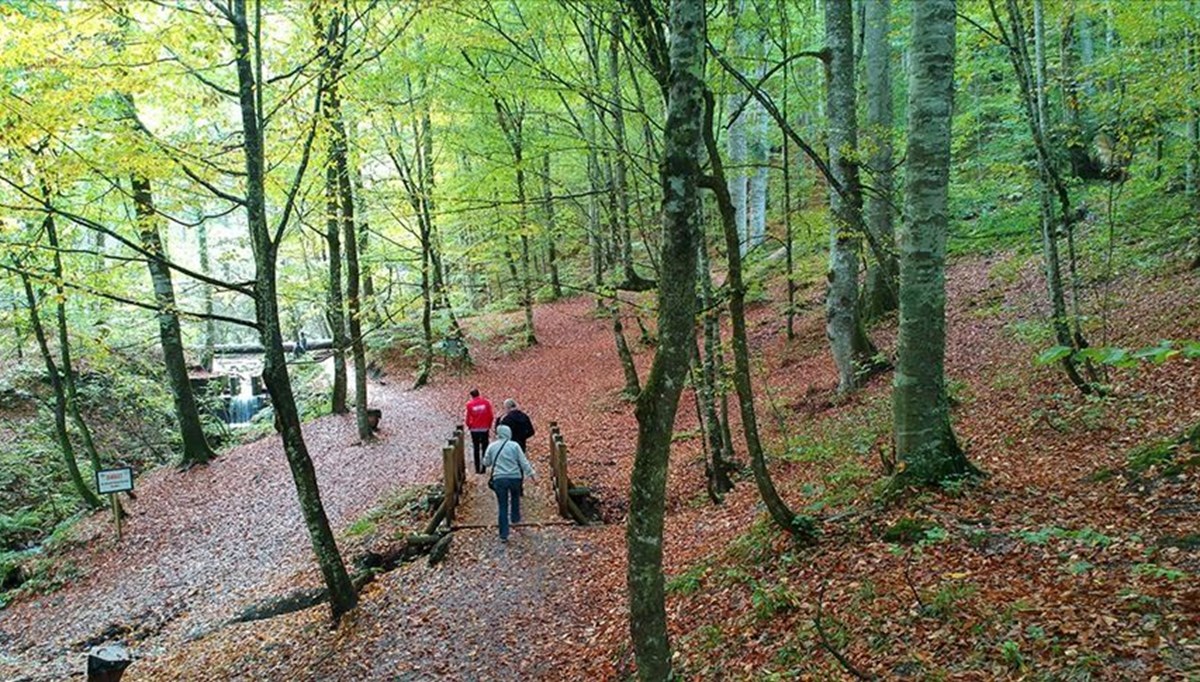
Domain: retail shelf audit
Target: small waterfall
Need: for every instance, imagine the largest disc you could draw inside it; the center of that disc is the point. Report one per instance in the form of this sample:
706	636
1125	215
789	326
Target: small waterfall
244	405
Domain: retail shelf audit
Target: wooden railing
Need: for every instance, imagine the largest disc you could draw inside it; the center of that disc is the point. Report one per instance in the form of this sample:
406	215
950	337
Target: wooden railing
567	507
454	478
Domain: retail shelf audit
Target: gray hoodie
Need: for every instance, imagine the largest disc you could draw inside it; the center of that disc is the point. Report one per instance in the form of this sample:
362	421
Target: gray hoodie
506	456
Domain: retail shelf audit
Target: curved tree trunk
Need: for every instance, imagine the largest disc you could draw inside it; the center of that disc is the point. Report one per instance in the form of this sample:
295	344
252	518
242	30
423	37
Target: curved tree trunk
781	514
721	469
60	403
632	384
342	596
1051	187
64	345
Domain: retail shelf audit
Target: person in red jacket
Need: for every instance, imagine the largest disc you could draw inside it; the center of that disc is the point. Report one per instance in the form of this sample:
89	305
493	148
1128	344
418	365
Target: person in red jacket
479	422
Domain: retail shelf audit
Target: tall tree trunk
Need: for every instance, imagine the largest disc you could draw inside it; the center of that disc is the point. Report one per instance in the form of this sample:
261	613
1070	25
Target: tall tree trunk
64	344
881	283
426	364
853	352
353	293
195	445
1039	51
632	384
757	148
1191	50
788	520
721	468
925	441
556	291
788	234
342	596
206	292
620	153
60	402
1051	185
330	110
736	142
659	400
335	309
512	120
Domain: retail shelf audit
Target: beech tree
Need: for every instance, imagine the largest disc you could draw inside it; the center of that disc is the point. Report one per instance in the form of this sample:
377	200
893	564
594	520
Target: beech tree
853	352
925	444
879	294
265	243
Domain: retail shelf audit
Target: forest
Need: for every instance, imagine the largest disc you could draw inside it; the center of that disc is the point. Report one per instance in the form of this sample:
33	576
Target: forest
861	338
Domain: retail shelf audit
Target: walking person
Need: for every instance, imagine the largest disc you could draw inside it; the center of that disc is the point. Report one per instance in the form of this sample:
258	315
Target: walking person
479	422
518	421
509	467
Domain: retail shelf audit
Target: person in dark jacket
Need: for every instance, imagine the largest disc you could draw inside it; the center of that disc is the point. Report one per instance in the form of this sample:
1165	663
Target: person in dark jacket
518	421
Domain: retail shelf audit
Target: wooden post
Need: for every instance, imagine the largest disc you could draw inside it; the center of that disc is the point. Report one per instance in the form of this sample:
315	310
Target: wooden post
564	485
107	663
554	472
450	477
460	445
561	484
116	507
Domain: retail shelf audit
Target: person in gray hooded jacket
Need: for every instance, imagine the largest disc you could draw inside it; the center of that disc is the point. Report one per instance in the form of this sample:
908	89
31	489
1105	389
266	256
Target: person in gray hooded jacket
509	467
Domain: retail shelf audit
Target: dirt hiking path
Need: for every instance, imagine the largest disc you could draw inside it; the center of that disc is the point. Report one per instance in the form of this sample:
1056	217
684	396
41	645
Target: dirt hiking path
202	545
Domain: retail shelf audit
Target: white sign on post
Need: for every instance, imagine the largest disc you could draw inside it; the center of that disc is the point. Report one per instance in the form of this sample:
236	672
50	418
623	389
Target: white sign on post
109	481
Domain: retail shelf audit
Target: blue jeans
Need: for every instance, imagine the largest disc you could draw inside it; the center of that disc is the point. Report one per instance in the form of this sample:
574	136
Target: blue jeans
506	495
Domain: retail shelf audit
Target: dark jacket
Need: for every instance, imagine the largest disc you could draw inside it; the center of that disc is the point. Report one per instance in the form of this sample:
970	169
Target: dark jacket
522	427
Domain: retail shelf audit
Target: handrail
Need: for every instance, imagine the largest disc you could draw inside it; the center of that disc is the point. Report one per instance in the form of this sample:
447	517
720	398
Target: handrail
454	477
567	508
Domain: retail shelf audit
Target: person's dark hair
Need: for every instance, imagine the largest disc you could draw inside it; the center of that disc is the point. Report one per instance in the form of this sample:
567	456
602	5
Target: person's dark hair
474	392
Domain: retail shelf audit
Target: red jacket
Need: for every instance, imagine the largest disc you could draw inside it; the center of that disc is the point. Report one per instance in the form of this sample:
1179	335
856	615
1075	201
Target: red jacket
479	414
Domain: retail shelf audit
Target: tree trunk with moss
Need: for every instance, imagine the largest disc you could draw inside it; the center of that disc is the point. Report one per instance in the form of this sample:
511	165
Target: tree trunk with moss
659	400
853	352
925	444
342	596
881	284
60	402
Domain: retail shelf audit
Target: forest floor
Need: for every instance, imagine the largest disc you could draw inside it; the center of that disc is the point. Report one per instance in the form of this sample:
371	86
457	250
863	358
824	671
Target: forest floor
1071	560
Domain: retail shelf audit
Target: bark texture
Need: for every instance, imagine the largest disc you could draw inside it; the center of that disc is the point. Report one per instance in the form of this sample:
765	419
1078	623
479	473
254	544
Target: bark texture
882	276
196	449
925	442
266	308
853	353
659	400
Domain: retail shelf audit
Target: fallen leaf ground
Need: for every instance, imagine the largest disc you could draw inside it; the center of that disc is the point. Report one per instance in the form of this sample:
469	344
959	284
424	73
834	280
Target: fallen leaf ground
1062	564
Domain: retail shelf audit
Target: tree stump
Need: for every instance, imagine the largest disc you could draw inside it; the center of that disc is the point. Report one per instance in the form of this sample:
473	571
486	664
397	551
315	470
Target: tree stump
107	663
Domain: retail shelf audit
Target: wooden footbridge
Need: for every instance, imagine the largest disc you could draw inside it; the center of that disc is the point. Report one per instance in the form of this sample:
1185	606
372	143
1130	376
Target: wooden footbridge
468	503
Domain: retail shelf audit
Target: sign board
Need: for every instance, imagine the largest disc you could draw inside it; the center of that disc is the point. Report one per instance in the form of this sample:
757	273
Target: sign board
109	481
